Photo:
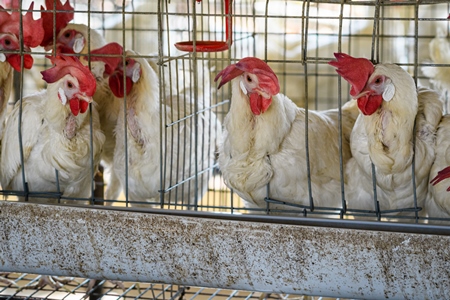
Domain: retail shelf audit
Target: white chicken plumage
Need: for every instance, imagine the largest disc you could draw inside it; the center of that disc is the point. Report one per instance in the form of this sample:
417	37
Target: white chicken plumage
6	82
73	39
438	200
437	203
183	156
55	135
392	108
439	50
264	142
32	35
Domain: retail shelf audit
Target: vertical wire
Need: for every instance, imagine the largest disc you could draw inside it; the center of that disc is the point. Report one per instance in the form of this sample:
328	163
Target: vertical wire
305	28
162	111
133	27
416	58
206	119
266	18
340	130
283	68
25	184
205	136
194	62
58	187
91	138
125	121
316	65
254	26
375	41
103	18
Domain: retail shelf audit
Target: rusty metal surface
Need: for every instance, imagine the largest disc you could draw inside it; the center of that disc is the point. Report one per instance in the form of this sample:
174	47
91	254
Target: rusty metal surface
133	246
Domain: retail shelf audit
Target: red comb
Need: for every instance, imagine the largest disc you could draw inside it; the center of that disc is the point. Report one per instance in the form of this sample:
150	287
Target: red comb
33	31
111	62
354	70
268	79
64	65
263	71
64	14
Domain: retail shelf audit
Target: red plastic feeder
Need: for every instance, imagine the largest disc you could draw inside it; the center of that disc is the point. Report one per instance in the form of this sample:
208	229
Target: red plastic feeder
211	46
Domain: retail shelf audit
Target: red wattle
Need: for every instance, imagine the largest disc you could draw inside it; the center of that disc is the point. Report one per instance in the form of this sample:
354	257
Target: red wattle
64	49
74	106
116	84
14	61
78	106
369	104
83	106
259	104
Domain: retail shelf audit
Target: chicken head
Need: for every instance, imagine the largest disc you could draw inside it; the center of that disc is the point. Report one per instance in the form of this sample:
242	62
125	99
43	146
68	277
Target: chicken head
32	32
366	89
132	74
64	15
257	80
76	84
9	42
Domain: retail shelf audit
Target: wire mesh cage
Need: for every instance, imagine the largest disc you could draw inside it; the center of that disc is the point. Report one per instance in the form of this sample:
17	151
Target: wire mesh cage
153	135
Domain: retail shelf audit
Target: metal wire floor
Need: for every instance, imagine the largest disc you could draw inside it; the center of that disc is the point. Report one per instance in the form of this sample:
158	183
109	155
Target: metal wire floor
76	289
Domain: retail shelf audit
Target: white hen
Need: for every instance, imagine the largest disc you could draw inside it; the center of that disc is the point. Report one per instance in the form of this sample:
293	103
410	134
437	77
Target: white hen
73	39
263	153
55	134
187	142
394	112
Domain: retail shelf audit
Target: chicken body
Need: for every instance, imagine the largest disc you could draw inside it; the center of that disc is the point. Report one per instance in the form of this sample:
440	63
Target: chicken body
73	39
264	155
53	138
187	146
394	113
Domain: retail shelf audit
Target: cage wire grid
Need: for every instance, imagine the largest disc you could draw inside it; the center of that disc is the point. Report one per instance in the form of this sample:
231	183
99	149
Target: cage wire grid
296	38
76	289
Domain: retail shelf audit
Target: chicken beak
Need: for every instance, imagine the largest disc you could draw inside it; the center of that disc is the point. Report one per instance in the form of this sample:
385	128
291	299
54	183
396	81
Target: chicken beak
84	98
362	94
263	93
228	74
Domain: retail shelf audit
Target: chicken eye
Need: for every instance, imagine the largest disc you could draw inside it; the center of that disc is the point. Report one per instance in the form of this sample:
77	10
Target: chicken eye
70	85
378	80
67	34
249	79
127	62
7	42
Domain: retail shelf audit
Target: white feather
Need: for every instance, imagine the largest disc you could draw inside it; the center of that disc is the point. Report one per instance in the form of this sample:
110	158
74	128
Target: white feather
46	147
180	160
267	152
385	139
438	200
